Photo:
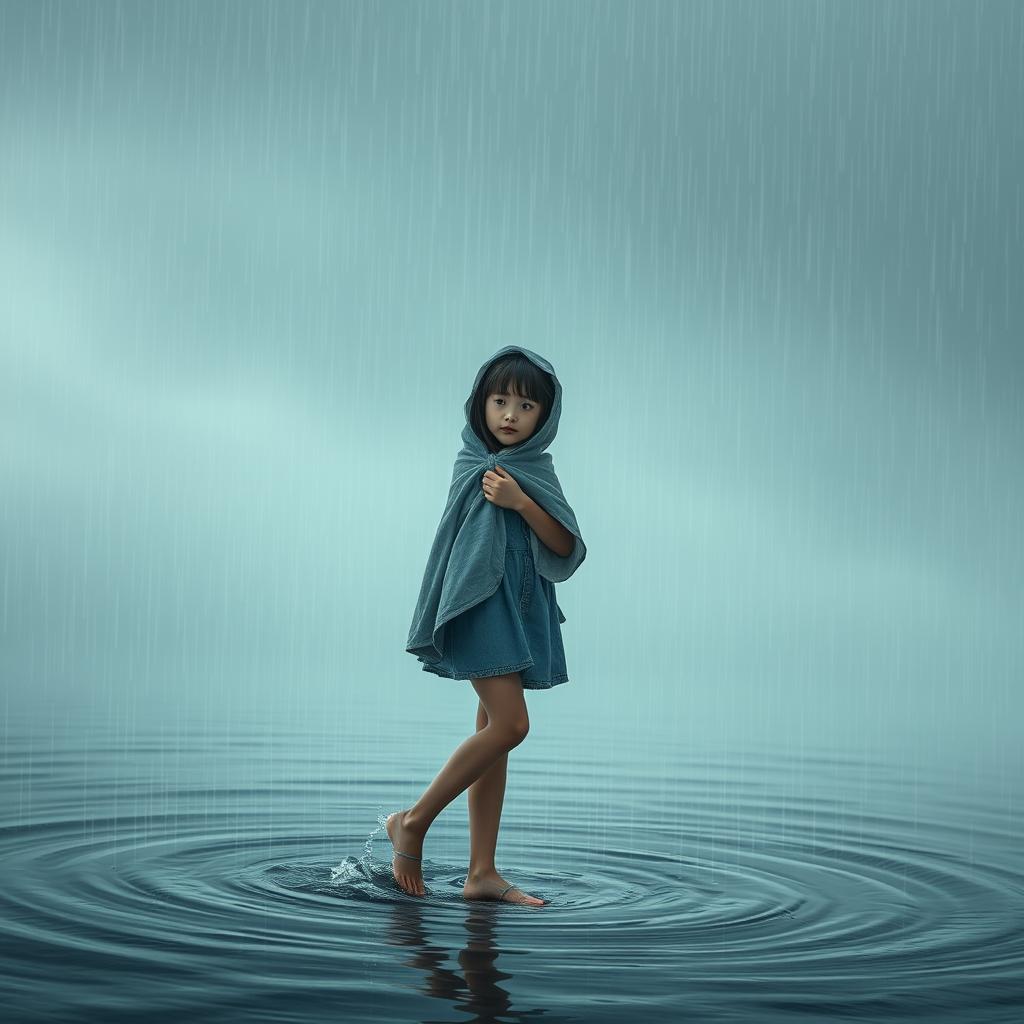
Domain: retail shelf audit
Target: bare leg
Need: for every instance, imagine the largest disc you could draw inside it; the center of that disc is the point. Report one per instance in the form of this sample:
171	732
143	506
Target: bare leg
486	797
506	727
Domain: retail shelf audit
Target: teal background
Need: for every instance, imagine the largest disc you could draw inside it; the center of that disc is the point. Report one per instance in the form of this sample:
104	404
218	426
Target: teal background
254	253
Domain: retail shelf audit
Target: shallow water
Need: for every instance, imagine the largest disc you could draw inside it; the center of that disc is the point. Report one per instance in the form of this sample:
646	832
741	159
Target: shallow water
234	870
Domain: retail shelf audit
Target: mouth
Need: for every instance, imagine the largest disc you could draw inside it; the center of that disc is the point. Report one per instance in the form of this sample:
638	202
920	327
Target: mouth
507	430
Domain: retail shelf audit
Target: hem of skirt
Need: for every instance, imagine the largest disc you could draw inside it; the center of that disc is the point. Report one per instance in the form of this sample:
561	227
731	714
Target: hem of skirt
543	684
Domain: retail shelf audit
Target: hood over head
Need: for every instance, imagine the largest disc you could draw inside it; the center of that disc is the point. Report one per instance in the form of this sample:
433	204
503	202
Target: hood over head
539	440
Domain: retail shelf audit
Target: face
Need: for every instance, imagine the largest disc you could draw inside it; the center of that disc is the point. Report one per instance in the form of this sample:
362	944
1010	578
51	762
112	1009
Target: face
511	410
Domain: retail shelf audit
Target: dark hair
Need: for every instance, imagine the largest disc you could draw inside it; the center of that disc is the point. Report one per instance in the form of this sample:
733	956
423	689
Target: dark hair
513	372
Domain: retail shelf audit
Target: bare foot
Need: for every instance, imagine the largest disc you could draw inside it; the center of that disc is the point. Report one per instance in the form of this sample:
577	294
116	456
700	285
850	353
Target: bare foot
493	887
406	870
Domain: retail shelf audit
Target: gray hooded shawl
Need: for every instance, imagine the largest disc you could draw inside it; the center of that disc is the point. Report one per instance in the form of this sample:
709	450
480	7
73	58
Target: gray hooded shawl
467	558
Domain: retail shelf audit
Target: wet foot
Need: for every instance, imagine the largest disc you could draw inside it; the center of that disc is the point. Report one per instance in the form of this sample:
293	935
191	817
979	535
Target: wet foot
493	887
406	870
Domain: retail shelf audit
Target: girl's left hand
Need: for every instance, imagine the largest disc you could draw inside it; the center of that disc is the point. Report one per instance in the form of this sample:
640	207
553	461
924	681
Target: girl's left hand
501	489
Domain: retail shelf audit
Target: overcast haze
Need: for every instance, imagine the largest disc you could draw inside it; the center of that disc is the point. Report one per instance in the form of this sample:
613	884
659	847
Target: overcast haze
252	256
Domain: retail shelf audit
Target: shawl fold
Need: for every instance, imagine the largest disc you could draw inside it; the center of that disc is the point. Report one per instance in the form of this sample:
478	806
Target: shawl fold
467	558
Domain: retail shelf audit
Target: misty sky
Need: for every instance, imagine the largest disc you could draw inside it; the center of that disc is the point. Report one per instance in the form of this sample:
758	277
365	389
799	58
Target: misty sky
252	256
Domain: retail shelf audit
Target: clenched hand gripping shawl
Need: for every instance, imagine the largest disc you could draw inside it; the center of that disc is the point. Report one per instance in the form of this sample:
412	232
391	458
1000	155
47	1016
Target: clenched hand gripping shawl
467	558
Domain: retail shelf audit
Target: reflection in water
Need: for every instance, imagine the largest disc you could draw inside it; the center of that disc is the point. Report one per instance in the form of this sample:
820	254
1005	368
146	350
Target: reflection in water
476	987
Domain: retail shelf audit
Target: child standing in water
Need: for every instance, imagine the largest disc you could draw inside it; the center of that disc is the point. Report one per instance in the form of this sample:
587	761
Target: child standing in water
487	611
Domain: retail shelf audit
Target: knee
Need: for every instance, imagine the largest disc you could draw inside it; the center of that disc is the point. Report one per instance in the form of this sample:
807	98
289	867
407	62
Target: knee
515	730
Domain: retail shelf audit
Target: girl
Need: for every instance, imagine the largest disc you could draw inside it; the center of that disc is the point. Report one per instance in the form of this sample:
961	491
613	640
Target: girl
487	610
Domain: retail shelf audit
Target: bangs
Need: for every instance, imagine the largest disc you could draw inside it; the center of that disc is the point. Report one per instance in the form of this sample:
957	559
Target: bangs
516	374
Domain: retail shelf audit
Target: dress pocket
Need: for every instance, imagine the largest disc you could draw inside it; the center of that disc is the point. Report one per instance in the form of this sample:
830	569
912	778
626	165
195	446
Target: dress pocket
526	590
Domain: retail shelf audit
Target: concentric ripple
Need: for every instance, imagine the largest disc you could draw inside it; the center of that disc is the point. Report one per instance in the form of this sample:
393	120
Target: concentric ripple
134	887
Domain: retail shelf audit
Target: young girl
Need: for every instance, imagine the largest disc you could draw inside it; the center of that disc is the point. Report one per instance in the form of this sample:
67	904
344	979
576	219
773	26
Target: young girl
487	610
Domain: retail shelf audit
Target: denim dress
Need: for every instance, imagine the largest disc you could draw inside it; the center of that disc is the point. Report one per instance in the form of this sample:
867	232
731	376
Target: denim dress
516	629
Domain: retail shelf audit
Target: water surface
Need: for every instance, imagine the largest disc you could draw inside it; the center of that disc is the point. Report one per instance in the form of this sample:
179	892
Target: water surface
218	870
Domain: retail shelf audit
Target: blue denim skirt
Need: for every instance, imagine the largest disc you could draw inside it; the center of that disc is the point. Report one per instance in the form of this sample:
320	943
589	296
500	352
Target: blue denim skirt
516	629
